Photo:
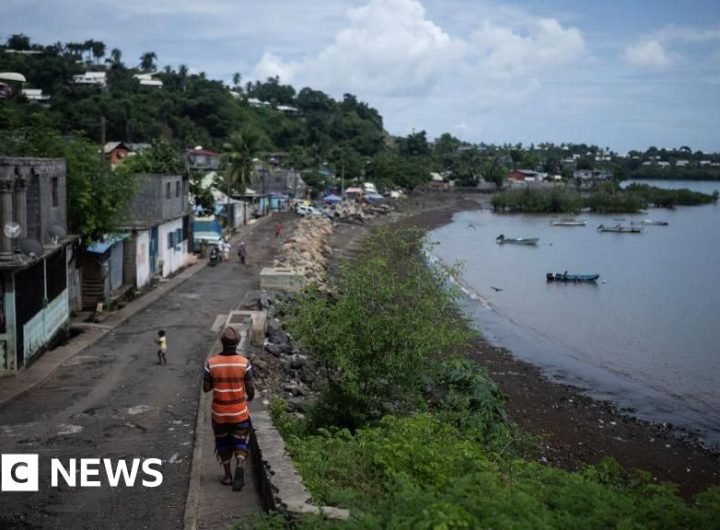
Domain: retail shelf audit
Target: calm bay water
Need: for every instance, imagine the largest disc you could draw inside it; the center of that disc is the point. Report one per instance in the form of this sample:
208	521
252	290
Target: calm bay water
646	336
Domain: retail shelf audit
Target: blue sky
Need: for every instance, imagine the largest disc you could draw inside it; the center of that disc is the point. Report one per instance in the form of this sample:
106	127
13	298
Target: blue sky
624	74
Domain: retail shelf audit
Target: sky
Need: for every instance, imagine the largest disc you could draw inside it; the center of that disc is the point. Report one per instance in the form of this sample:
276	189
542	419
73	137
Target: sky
623	74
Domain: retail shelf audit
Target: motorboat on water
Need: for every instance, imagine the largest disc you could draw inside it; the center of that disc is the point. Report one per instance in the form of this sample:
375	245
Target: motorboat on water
620	229
574	278
501	239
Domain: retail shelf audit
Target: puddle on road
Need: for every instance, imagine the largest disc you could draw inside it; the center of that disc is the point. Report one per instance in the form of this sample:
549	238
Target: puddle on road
139	409
67	428
16	430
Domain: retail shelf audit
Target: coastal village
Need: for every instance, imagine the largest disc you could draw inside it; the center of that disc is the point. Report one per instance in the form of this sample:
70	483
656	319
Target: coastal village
118	223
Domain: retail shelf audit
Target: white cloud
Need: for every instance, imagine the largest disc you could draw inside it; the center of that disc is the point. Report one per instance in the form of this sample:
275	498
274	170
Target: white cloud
506	53
647	54
389	46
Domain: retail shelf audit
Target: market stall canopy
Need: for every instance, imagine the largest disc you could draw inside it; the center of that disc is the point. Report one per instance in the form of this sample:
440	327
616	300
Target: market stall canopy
332	198
12	76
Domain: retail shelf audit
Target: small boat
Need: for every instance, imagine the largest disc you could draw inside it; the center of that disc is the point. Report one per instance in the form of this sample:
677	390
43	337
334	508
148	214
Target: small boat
574	278
568	222
619	229
501	239
650	222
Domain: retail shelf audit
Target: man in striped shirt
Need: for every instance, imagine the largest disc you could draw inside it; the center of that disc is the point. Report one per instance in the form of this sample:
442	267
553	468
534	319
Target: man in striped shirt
229	375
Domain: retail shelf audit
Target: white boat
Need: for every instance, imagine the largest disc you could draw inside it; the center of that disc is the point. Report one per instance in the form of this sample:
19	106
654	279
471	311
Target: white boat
650	222
569	222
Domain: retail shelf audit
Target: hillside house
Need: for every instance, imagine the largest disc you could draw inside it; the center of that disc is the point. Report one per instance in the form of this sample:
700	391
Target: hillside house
38	266
116	152
587	175
202	159
91	78
148	81
524	175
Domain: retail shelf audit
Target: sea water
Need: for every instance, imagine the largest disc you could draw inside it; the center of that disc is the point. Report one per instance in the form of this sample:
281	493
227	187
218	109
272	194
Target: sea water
646	335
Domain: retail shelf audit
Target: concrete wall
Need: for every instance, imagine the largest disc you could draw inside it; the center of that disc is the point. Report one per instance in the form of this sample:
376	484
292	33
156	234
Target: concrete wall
175	257
37	175
142	258
151	202
40	329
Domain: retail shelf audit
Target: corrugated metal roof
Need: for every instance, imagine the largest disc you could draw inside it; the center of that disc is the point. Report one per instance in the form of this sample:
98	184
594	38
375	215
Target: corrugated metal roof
100	247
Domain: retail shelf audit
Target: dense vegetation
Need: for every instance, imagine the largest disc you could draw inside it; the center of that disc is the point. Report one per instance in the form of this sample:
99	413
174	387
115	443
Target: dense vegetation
607	198
406	435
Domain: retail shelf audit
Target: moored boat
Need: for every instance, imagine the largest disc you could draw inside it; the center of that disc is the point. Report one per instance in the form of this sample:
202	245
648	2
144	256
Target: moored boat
569	222
575	278
501	239
650	222
619	229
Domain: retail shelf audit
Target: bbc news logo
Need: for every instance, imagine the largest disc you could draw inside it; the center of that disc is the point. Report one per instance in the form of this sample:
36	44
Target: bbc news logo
21	472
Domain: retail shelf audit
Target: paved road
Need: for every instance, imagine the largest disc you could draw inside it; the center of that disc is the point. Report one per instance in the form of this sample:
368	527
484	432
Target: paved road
113	401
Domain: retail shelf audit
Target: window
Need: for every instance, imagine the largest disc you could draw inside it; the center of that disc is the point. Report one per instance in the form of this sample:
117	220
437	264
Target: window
178	236
170	238
55	193
177	188
167	190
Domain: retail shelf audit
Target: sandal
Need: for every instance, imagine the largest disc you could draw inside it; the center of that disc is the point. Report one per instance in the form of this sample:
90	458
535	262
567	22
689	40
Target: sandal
239	479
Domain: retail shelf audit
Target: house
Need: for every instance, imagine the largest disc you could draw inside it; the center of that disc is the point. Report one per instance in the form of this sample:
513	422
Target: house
524	175
147	80
202	159
102	271
91	78
38	265
682	163
35	95
160	229
279	181
592	174
116	152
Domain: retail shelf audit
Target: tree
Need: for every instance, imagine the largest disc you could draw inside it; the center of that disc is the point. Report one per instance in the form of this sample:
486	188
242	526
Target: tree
18	41
147	62
494	171
236	79
115	57
239	151
98	50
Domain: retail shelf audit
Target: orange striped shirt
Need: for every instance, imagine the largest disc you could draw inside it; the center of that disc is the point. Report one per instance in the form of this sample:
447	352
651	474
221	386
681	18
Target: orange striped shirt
228	374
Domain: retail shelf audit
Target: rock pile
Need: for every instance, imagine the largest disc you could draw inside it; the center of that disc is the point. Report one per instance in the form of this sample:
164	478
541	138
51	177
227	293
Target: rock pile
307	249
358	212
283	370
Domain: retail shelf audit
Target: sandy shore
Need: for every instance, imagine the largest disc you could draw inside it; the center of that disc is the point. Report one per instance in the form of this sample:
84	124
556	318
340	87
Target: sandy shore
572	429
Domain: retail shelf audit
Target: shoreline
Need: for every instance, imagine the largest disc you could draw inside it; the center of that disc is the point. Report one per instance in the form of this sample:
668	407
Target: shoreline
570	429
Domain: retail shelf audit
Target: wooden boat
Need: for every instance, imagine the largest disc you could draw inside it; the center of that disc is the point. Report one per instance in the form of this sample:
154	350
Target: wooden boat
501	239
575	278
619	229
568	222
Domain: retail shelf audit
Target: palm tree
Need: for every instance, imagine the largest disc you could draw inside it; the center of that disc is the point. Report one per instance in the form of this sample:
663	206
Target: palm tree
98	50
147	61
115	57
239	151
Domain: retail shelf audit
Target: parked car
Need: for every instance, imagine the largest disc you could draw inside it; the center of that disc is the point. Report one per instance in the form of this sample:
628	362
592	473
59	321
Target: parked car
303	210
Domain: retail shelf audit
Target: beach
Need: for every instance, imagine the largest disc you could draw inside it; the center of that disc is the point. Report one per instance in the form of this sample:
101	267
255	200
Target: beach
568	429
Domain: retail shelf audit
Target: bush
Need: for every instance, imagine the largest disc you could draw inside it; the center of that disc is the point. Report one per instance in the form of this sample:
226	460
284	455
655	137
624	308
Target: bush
389	317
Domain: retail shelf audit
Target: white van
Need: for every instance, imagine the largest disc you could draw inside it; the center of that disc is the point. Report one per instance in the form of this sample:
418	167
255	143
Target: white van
369	187
303	210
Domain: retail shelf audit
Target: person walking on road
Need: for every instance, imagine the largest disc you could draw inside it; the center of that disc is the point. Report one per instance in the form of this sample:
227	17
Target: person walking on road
161	341
229	375
278	230
242	252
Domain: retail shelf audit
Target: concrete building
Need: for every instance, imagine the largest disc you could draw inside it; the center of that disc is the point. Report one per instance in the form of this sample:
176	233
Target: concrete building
160	229
39	280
